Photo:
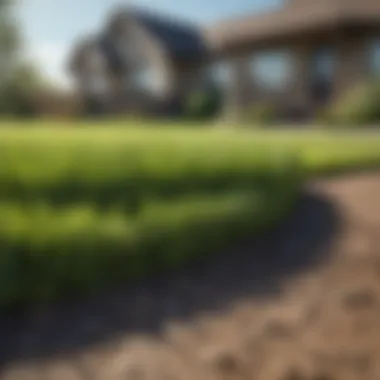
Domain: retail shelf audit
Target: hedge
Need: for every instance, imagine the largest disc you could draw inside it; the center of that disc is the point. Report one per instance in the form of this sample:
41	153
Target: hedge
127	172
79	213
48	253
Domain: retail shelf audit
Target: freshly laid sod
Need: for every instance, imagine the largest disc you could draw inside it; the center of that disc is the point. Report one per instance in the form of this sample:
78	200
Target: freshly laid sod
81	210
48	253
127	167
86	208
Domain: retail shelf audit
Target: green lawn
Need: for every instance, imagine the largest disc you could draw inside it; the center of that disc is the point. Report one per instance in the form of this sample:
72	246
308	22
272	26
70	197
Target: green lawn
85	208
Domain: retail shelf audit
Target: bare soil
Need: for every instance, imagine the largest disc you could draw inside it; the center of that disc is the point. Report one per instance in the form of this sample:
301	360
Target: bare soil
301	303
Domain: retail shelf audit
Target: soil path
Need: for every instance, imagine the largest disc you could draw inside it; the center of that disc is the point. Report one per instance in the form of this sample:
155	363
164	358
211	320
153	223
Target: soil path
302	303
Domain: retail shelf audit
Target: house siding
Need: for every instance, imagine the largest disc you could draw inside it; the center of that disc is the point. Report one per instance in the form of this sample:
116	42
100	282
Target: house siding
152	55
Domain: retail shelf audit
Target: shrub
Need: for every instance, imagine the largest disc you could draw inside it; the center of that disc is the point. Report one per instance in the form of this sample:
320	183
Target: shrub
128	171
203	104
260	114
323	116
48	252
359	106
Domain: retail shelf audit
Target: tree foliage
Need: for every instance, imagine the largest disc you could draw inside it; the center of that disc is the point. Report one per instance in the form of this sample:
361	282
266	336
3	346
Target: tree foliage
10	38
18	79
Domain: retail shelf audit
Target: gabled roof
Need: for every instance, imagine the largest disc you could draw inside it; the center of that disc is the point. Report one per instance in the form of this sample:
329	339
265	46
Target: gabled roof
180	39
294	18
187	42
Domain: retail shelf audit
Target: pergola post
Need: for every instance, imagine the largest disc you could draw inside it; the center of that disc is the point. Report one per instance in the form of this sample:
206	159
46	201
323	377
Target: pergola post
353	63
238	92
300	87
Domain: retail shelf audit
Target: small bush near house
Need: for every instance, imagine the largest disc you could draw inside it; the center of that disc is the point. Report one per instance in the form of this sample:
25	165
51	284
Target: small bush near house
203	104
358	107
323	116
260	114
15	102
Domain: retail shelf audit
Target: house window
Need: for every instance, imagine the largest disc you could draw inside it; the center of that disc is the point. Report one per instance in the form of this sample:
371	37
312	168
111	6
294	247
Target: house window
221	74
375	56
324	65
323	72
149	79
272	71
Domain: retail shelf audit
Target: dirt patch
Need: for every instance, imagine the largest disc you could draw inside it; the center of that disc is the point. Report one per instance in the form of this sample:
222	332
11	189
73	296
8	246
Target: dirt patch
302	303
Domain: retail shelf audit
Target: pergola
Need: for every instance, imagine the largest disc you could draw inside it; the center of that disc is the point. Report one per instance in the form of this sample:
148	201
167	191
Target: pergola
302	27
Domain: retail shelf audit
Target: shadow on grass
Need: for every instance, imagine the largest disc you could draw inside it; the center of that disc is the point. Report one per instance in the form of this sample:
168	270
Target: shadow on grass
254	269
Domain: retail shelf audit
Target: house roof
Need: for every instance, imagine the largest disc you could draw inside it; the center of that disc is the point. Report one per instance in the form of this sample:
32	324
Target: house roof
187	42
180	39
293	18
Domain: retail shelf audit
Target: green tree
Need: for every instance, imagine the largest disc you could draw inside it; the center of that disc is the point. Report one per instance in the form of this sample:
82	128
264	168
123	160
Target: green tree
18	78
17	91
10	38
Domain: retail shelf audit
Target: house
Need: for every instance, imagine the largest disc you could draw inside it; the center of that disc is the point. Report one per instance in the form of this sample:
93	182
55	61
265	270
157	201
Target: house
140	62
299	57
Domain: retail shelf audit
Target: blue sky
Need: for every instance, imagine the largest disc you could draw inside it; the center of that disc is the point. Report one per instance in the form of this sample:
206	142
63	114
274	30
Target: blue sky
51	26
